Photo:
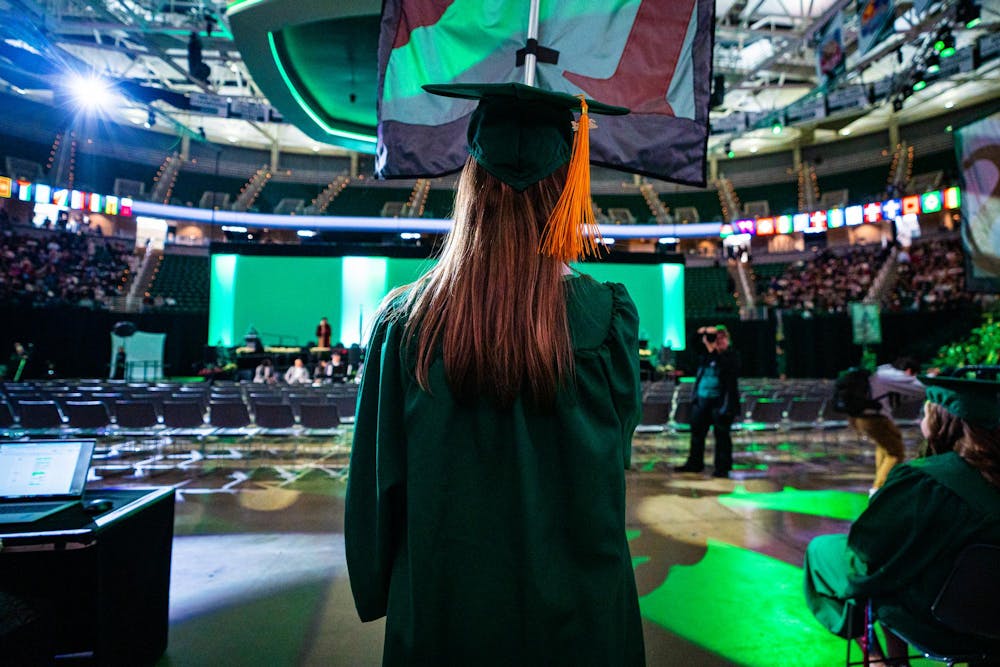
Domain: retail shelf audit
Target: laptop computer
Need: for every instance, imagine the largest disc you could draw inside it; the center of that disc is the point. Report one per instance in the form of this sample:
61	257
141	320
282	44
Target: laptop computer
41	477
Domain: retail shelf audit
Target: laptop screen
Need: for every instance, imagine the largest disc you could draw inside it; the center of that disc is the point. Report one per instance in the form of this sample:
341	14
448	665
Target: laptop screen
44	468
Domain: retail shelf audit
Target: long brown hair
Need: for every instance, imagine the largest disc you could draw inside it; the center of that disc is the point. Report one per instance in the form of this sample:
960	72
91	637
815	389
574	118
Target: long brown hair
979	446
493	305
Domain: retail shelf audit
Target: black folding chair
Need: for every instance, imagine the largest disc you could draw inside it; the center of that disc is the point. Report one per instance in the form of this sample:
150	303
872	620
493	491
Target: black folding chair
320	419
655	415
137	415
968	605
275	418
40	416
90	417
230	418
185	418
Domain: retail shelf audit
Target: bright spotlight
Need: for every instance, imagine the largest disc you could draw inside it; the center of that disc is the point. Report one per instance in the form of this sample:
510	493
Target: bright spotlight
89	91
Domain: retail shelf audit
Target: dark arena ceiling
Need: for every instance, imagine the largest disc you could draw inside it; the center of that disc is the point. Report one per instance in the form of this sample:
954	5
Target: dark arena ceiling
301	74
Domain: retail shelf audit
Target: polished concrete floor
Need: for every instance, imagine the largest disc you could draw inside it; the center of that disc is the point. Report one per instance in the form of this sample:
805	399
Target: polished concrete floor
258	558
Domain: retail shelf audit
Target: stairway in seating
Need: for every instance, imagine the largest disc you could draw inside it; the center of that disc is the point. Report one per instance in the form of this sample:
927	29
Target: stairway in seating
142	277
901	168
885	280
166	176
329	193
746	290
414	208
730	202
808	187
248	195
656	206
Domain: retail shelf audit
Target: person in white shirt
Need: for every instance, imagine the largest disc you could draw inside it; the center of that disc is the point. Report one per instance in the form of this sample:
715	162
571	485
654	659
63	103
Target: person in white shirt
264	373
297	373
876	423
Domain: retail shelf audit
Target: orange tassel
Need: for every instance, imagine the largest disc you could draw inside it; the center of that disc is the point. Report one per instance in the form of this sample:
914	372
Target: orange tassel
571	231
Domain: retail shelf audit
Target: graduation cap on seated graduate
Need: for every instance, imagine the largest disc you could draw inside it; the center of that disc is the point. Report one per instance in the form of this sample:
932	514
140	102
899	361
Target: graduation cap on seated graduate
971	394
521	134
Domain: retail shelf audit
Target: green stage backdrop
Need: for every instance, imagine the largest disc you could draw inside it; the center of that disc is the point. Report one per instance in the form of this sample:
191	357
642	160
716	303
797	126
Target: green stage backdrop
283	298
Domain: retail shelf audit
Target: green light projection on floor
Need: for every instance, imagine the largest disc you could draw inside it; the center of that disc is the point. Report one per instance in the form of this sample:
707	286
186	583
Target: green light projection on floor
744	606
828	503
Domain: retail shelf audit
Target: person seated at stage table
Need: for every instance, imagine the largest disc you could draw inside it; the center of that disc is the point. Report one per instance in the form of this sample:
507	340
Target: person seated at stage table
323	372
338	368
264	373
902	548
297	373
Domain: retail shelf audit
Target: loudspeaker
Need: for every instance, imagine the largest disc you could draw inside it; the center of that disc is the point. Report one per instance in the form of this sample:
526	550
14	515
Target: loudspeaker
718	91
196	66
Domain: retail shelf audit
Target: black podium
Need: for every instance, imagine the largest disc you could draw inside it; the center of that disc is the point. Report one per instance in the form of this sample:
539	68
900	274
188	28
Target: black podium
101	583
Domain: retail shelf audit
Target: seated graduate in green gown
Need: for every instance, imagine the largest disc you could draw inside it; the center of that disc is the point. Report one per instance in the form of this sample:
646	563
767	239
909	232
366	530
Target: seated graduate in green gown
903	546
486	500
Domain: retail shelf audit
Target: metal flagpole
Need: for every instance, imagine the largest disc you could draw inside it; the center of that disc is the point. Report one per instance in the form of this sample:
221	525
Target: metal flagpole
530	59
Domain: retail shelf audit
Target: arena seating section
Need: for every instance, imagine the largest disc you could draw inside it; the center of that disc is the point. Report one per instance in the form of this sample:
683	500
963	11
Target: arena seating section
180	282
707	292
57	268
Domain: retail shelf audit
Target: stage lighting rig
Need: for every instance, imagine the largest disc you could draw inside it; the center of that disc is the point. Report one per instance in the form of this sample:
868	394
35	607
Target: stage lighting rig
945	44
968	14
933	63
89	91
197	67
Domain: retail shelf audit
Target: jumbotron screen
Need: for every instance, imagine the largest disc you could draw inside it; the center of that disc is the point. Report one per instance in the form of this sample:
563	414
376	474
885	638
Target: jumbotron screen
283	298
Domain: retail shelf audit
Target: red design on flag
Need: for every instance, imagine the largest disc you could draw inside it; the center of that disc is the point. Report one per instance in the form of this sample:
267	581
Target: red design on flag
648	61
419	15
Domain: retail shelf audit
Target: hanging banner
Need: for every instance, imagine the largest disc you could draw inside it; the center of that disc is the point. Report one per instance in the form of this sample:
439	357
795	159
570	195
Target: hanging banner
830	49
875	22
652	56
978	152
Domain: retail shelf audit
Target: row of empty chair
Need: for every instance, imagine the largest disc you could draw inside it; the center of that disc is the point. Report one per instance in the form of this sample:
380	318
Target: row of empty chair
134	409
792	405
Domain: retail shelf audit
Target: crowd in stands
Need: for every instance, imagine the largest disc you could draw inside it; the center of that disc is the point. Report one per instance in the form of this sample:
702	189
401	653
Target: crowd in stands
826	283
61	268
931	276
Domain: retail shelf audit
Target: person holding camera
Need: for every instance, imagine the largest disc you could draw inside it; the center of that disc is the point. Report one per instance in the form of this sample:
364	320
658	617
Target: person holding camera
715	403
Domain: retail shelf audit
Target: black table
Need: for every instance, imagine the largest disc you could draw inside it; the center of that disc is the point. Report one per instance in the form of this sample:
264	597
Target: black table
101	583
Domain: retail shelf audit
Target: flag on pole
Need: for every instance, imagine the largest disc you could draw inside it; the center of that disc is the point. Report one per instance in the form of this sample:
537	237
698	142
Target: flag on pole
830	49
876	19
652	56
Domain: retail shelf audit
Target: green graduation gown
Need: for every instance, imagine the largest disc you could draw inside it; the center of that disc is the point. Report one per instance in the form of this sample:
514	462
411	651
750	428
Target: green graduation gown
497	536
901	549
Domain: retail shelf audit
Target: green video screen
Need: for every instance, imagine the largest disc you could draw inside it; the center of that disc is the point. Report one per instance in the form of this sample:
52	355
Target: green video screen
283	298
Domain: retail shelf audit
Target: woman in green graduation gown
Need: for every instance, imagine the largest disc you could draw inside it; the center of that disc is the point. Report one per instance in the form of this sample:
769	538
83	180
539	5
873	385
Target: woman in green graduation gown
486	499
903	546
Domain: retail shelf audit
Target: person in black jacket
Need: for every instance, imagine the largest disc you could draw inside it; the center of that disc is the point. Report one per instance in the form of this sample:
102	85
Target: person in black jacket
715	403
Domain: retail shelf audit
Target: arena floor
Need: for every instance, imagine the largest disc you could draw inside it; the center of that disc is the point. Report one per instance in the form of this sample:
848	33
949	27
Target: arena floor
258	561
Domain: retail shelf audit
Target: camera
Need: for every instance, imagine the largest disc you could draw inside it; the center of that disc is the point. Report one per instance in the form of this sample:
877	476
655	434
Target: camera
710	337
